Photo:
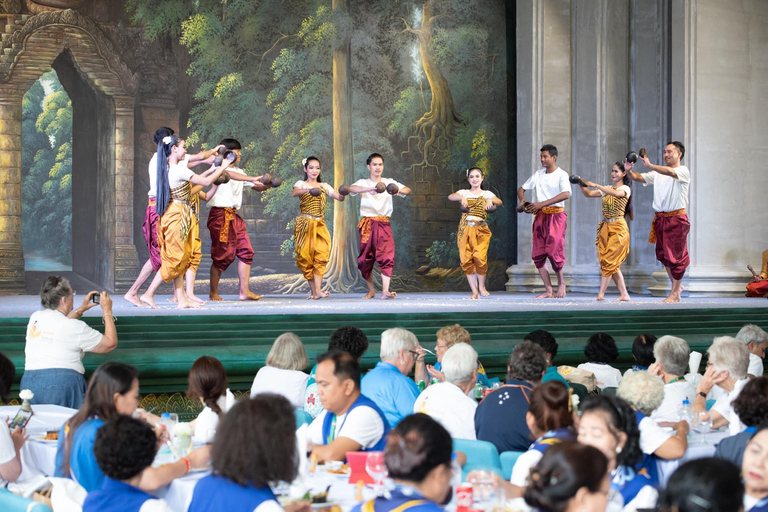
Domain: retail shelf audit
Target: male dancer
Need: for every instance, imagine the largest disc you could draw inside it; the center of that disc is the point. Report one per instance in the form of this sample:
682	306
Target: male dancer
552	188
229	237
670	227
376	242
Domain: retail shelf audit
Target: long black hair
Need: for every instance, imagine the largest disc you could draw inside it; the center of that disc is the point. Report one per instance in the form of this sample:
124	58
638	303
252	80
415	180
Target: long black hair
622	419
306	163
163	196
628	212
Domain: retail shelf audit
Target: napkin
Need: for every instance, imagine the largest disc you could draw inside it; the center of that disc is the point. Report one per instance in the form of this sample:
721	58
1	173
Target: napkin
301	450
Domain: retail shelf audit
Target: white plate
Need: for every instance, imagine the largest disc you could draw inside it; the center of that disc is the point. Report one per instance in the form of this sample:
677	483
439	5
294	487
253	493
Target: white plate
42	439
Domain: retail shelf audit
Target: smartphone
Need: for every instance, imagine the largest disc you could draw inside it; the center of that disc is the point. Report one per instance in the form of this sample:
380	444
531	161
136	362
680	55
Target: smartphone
96	298
21	419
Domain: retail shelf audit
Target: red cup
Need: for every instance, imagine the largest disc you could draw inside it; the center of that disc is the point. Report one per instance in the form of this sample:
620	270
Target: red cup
464	497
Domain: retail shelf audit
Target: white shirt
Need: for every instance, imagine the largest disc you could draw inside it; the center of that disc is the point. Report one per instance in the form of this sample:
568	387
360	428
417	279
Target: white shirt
364	426
55	341
546	186
230	194
606	375
466	194
674	394
755	365
652	436
625	188
724	405
325	187
152	170
451	407
7	451
375	205
522	468
669	194
179	173
207	421
292	384
155	505
645	499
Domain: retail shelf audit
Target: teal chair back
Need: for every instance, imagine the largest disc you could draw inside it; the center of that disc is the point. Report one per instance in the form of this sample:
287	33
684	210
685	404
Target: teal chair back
508	460
609	391
10	502
480	455
302	418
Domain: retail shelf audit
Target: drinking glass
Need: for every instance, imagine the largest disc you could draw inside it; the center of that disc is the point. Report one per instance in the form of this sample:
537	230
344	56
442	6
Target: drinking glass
704	424
374	465
483	487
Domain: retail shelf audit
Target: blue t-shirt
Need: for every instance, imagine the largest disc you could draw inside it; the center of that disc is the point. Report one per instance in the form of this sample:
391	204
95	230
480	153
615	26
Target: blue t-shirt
392	391
82	462
220	494
400	495
500	417
553	374
116	496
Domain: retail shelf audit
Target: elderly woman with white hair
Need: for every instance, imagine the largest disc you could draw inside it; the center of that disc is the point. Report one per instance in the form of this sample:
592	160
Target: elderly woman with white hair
671	356
388	384
448	402
284	373
756	341
726	369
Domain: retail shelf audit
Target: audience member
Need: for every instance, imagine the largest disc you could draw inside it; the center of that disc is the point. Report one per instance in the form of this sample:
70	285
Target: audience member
753	470
500	417
208	383
546	341
703	485
727	369
751	406
756	341
388	384
672	355
570	477
600	352
12	441
608	423
447	337
124	448
284	372
447	402
642	352
418	459
348	339
57	340
350	422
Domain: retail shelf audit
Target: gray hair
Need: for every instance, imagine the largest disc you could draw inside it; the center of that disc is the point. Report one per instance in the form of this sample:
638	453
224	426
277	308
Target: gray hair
459	363
54	289
731	355
673	354
394	340
527	362
641	390
288	353
751	332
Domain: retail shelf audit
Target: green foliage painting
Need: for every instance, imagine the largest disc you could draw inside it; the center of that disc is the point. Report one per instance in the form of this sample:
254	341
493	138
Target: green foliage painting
46	166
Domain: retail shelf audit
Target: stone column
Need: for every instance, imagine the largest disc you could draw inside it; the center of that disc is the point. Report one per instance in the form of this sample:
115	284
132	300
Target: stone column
11	253
126	256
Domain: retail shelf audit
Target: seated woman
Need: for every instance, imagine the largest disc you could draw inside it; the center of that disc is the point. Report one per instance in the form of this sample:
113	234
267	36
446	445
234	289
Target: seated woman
751	406
283	373
10	441
208	383
703	485
418	458
254	446
608	423
753	470
570	477
600	352
642	352
124	448
447	337
57	340
113	390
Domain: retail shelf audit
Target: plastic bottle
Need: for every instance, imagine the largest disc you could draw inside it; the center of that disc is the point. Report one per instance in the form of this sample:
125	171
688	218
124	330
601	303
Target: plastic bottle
685	412
478	391
422	385
167	423
456	479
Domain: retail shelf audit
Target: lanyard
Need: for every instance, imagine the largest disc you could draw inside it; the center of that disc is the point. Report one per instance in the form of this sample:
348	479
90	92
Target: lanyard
332	433
676	379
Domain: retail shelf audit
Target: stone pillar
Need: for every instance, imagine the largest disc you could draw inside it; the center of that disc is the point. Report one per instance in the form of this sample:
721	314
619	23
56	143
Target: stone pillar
11	253
126	256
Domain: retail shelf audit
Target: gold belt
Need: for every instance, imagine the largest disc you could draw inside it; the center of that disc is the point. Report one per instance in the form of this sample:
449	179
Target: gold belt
549	210
310	216
476	223
675	213
615	219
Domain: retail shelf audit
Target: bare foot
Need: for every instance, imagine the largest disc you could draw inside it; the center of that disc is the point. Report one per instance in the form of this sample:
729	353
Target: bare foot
622	298
549	294
324	294
484	292
214	296
370	295
133	298
388	295
195	298
673	297
173	299
600	298
184	304
561	291
149	301
473	296
249	295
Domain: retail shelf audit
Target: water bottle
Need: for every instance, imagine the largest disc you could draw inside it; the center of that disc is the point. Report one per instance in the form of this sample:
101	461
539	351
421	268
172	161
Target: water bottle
456	479
685	412
167	423
478	391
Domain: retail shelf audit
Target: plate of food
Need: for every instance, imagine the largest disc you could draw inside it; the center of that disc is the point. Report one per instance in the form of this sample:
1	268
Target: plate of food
336	467
50	437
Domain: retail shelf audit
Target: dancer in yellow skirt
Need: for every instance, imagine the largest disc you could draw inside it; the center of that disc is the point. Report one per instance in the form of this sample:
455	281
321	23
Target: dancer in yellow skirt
474	237
612	232
312	241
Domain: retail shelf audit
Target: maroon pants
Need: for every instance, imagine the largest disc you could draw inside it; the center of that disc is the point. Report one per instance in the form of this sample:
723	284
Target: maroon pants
237	243
757	288
376	246
149	228
672	244
549	239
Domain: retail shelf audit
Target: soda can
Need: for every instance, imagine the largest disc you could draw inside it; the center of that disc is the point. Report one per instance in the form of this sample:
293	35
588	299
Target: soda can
487	391
464	497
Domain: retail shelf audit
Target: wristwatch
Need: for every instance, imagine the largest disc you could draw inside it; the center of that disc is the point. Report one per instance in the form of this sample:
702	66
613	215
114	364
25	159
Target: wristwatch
701	394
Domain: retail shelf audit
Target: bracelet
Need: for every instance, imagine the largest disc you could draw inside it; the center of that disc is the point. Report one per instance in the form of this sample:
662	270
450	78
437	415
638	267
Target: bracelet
114	318
186	463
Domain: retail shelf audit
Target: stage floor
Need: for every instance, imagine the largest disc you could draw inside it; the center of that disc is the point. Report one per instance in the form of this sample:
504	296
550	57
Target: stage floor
21	306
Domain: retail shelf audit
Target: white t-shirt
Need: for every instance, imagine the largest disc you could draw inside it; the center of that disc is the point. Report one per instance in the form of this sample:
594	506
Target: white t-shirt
152	170
179	173
55	341
207	421
755	366
546	186
669	194
230	194
674	394
522	468
466	194
625	188
375	205
607	376
645	499
7	451
652	436
292	384
325	187
156	505
453	409
724	405
364	426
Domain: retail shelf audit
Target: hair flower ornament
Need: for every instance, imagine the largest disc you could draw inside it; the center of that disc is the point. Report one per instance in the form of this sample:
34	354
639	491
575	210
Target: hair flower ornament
167	140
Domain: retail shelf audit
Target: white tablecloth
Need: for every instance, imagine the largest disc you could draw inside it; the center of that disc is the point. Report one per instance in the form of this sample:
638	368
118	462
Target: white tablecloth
697	449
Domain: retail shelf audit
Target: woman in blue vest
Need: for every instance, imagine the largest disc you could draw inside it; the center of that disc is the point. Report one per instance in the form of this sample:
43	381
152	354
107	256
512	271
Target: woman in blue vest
255	444
608	423
418	458
704	485
754	469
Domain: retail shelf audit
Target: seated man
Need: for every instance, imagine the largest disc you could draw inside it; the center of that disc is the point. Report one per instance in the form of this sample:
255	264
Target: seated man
671	355
546	341
350	422
756	341
759	285
727	369
500	417
388	383
447	402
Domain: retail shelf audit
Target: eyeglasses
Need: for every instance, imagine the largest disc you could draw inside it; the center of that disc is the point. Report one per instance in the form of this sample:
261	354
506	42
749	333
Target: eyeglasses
441	346
415	355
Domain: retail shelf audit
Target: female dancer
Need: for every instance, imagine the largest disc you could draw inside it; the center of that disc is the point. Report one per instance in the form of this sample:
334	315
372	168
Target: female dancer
612	232
312	241
474	237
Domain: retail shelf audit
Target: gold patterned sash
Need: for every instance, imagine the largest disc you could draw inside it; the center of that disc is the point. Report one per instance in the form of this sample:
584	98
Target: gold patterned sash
365	226
190	206
229	216
675	213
